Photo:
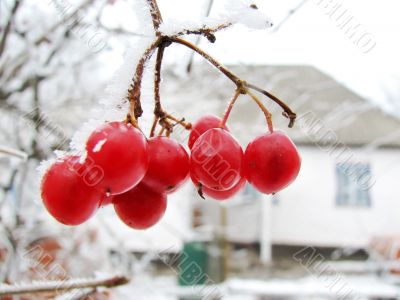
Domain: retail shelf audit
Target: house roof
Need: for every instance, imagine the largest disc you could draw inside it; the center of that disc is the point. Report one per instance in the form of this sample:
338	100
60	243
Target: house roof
328	112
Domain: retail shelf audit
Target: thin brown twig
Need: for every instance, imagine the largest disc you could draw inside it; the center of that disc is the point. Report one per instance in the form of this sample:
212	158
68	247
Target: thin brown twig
204	30
267	114
208	57
182	122
155	15
158	111
153	126
161	132
207	32
287	112
135	108
160	115
230	106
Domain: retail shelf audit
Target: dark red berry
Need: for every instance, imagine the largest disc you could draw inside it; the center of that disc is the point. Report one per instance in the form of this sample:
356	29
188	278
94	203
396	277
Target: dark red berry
119	150
168	165
65	193
201	126
141	207
216	160
271	162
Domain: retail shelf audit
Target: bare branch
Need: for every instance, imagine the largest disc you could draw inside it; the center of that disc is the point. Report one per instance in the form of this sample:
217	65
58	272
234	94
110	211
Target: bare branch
20	60
8	26
44	37
290	13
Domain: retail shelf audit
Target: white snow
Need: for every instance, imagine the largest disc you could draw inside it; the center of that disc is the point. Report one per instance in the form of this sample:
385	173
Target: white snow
238	11
99	145
235	12
44	166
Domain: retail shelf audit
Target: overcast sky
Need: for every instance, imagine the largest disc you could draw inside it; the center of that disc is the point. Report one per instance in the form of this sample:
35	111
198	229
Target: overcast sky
312	37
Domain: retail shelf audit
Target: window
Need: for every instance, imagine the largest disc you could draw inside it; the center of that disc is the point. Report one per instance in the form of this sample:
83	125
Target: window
352	184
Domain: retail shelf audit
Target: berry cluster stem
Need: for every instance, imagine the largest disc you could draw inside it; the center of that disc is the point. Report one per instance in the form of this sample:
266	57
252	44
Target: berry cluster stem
229	108
267	114
134	92
160	115
163	41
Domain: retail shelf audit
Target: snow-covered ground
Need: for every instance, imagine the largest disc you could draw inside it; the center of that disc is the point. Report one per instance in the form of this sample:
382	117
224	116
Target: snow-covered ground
324	287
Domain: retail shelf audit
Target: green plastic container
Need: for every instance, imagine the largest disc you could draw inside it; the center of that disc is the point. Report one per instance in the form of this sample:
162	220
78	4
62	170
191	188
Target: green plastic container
193	263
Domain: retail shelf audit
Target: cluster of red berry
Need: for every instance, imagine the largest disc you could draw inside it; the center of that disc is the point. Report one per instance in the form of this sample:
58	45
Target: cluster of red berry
136	174
220	168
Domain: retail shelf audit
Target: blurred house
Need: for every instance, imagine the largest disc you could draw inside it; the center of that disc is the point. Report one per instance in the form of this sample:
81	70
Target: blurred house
345	193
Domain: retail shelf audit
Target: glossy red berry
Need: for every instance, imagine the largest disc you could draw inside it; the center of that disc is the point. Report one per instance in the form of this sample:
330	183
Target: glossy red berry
66	195
119	150
141	207
201	126
216	160
224	195
271	162
168	165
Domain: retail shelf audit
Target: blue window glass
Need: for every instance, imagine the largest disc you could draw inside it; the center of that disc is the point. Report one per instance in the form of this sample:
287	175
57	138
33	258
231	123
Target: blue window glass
352	184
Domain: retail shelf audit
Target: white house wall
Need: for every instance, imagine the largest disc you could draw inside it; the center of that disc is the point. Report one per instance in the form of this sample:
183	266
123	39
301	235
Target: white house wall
306	213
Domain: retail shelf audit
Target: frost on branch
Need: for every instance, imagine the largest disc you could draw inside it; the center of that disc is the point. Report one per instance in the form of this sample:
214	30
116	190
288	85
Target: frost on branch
246	13
114	105
234	12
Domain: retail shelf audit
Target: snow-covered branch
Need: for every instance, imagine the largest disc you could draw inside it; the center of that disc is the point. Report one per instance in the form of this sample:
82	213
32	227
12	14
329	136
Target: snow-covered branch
61	286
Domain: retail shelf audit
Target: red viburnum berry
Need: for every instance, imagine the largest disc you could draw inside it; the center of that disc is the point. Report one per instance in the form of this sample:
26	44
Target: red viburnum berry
140	207
216	160
119	150
168	165
202	125
66	194
271	162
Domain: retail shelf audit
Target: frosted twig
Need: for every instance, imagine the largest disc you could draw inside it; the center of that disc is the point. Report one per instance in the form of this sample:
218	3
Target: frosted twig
134	92
61	286
208	32
155	15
